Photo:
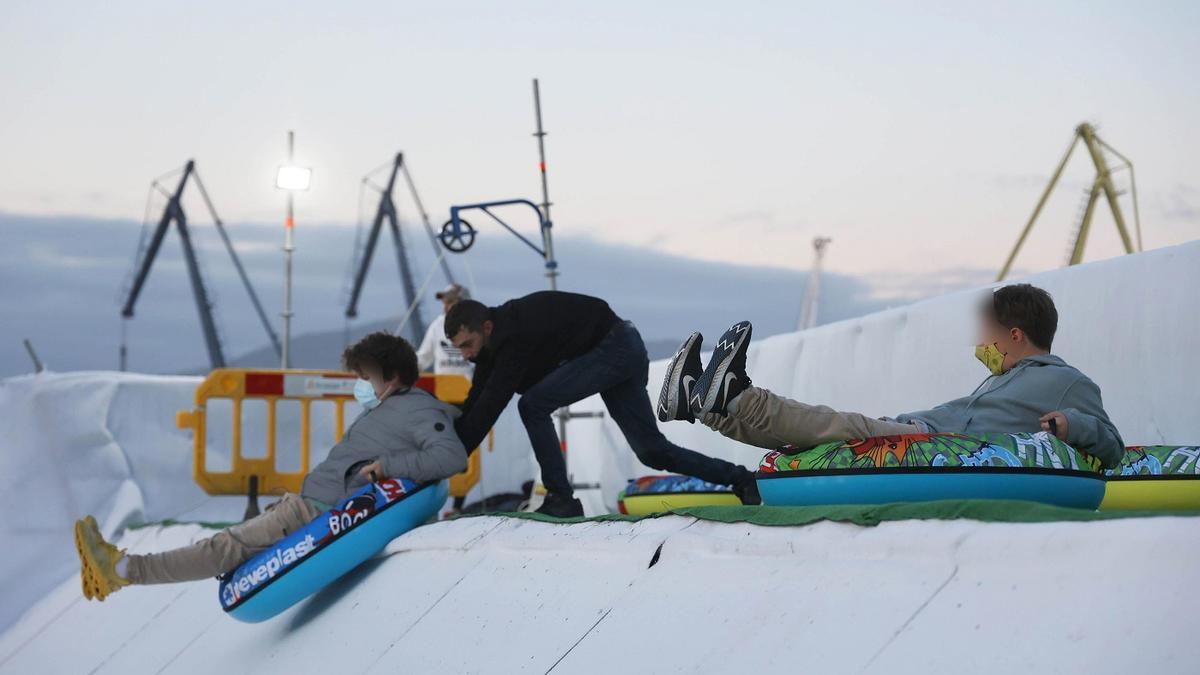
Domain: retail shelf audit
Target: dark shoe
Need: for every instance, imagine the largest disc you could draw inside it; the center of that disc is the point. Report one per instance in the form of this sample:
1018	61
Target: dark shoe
747	490
725	376
682	373
561	507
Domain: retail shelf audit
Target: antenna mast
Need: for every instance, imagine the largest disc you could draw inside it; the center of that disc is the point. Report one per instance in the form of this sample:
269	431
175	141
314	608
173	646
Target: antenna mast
547	243
808	307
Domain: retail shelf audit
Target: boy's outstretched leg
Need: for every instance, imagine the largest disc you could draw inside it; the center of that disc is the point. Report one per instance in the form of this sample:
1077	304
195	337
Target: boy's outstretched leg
106	569
726	401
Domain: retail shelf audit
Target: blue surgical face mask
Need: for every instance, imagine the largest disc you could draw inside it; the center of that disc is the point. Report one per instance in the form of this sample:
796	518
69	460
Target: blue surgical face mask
365	394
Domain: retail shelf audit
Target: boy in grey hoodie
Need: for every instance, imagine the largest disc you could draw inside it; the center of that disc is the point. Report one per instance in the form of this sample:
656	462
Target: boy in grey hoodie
1028	388
402	432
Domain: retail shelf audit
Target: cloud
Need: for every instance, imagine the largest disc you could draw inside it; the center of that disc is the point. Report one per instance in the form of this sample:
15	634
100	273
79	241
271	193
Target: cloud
1180	204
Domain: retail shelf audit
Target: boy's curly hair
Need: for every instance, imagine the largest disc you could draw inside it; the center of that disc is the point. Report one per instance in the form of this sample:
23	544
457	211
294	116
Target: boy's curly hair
390	354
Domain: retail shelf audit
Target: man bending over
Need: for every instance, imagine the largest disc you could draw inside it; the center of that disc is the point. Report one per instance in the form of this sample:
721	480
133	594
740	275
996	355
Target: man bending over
402	432
556	349
1028	387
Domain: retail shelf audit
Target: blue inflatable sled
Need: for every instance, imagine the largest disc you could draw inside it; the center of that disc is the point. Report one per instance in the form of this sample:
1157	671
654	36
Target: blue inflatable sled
1034	467
339	540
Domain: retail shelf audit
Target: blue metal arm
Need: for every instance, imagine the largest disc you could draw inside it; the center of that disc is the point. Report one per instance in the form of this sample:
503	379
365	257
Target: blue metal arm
460	228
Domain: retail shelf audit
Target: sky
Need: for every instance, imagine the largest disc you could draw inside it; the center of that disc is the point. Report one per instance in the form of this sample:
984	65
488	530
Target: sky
917	135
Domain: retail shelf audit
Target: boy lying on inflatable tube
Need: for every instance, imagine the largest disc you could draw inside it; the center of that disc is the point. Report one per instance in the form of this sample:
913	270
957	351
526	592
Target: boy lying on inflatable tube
1028	389
403	432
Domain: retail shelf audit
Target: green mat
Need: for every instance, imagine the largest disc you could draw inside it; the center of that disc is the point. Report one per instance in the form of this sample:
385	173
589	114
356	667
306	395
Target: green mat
858	514
210	524
873	514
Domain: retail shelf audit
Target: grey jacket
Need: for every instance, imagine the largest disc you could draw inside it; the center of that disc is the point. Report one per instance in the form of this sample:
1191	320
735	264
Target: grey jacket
410	433
1013	401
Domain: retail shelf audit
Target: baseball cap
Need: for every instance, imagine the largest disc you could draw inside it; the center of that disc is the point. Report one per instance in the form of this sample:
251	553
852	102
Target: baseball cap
453	289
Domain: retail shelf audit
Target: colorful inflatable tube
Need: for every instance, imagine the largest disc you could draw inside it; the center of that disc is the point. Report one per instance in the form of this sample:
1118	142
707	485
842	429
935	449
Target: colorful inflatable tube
657	494
1155	478
929	467
336	542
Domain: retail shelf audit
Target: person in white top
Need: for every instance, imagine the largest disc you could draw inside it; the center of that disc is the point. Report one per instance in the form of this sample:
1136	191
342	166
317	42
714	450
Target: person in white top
436	353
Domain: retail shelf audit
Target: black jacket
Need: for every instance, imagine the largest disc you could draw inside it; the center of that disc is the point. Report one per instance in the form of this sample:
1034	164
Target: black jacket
531	336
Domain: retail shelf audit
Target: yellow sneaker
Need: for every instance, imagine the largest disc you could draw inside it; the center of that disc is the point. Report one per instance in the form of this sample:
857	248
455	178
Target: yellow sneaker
97	561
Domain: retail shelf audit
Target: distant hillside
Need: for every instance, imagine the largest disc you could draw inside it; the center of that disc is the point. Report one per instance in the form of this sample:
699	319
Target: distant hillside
63	277
322	350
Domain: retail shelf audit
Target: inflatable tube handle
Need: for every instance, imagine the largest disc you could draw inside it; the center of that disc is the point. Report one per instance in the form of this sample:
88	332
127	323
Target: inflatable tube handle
375	479
1054	427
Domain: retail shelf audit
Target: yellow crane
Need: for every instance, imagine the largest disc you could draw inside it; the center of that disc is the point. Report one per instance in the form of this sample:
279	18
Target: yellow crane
1102	184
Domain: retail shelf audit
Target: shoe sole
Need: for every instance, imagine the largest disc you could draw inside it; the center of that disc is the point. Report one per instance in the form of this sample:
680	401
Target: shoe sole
95	584
84	572
668	398
722	356
87	572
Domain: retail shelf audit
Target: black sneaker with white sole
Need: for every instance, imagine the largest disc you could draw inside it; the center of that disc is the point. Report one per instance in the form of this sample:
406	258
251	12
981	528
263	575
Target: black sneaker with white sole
726	375
674	402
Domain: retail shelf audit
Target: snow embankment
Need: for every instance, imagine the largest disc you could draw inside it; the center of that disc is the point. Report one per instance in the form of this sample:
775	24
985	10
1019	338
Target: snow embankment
105	444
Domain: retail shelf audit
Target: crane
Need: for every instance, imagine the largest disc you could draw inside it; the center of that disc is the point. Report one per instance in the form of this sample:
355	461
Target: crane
386	210
173	213
1102	183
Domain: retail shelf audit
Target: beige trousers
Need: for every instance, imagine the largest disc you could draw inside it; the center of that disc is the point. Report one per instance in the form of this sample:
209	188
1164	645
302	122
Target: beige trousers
224	550
769	421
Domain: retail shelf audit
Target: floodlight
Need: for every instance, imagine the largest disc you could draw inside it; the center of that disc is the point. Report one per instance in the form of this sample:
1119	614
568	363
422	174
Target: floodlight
294	178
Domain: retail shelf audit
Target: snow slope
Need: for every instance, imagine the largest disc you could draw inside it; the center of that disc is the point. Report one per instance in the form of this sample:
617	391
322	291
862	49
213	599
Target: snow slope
496	595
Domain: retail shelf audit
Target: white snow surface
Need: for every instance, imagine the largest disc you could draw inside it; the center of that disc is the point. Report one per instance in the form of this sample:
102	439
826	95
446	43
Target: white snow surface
493	595
496	595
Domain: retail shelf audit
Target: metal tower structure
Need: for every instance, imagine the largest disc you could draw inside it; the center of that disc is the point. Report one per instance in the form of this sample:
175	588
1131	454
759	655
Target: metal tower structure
173	213
1102	183
812	294
386	211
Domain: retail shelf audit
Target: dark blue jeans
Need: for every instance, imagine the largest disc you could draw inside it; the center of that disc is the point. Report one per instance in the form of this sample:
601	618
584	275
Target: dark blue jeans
617	370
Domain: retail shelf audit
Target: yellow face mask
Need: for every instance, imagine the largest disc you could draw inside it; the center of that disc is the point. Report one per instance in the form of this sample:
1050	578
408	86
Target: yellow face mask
991	357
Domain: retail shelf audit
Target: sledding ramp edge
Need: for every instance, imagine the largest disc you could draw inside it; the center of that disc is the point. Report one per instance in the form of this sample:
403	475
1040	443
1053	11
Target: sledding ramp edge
672	594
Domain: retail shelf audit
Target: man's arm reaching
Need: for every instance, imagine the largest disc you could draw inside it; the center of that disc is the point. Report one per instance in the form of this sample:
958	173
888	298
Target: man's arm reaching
491	391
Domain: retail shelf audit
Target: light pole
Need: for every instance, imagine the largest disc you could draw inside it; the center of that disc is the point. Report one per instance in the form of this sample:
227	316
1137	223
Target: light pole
293	179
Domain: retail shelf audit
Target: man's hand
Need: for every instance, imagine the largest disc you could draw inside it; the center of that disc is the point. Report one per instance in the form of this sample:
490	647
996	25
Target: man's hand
1060	424
372	472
